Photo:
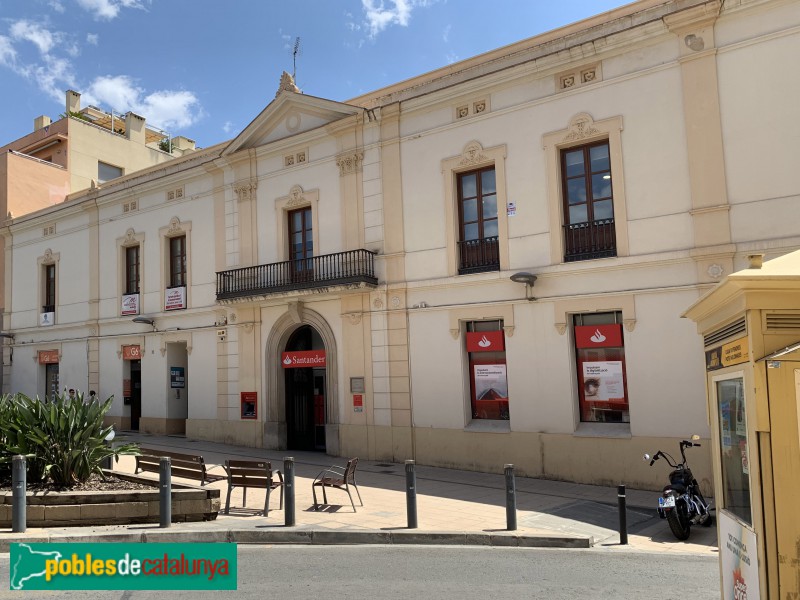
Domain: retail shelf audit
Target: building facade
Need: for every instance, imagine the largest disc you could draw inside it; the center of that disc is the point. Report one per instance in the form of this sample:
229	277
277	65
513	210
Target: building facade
483	265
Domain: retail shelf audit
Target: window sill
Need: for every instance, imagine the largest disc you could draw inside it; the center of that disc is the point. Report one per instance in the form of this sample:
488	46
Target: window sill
604	430
488	426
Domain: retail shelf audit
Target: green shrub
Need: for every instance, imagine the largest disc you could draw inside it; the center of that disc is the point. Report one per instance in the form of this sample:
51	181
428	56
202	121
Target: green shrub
63	439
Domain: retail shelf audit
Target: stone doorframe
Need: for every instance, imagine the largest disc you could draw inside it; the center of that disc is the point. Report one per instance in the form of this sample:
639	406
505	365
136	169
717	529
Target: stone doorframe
275	418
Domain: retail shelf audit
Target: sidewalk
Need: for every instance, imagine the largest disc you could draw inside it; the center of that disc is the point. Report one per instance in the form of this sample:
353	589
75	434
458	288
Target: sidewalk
453	507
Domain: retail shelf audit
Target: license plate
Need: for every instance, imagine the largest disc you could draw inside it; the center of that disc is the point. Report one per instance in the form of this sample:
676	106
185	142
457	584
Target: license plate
668	502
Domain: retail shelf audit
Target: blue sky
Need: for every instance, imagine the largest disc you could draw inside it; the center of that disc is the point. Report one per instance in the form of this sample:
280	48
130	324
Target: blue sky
206	68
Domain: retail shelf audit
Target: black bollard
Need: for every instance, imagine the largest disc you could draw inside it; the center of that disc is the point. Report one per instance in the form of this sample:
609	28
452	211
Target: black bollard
18	500
623	521
511	499
411	494
165	491
288	491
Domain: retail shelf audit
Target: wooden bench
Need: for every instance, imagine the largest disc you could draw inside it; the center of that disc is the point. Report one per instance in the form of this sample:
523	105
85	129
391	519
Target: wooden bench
340	478
189	466
252	474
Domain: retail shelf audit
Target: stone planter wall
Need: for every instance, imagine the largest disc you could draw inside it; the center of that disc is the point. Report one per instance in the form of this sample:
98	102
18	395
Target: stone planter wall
63	509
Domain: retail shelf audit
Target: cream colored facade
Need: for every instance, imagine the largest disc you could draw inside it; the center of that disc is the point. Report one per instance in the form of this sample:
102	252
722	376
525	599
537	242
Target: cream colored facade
701	177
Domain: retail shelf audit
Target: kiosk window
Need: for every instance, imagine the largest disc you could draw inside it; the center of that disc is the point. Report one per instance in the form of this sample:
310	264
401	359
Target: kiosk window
733	448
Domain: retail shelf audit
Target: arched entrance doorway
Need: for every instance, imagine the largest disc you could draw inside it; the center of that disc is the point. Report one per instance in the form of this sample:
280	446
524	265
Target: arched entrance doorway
304	372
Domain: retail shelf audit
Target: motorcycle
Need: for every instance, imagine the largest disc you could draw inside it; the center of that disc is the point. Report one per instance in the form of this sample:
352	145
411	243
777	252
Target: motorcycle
681	503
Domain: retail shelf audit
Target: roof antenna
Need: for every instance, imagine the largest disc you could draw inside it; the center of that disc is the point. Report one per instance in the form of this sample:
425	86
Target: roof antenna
294	57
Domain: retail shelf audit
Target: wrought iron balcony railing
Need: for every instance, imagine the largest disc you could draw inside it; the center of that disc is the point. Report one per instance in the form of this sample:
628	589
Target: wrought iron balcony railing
477	256
592	239
342	268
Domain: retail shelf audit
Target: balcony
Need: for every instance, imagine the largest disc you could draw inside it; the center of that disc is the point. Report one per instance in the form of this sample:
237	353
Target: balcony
592	239
478	256
343	268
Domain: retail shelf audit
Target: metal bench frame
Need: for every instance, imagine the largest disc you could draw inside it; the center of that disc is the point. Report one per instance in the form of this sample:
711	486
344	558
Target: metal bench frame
252	474
337	477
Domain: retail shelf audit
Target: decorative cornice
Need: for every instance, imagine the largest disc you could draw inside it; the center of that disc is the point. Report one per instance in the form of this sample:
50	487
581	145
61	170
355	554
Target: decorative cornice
296	196
561	328
349	163
472	154
175	226
630	324
287	85
581	126
509	330
354	318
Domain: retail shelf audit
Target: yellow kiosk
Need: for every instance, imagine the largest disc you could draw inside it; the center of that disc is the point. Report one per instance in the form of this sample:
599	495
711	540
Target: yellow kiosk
750	324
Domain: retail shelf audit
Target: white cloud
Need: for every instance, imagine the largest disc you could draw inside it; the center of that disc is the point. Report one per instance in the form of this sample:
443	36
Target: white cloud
446	33
380	14
43	39
165	108
451	57
8	55
57	6
107	9
227	127
92	38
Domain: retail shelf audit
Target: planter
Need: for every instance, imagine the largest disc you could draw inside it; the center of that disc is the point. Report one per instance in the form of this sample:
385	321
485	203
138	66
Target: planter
64	509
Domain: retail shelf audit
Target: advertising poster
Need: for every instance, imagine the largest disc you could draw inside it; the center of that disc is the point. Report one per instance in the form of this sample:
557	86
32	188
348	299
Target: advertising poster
738	555
490	382
602	381
130	304
175	298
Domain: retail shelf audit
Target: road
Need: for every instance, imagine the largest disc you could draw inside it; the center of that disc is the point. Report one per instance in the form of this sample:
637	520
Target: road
444	572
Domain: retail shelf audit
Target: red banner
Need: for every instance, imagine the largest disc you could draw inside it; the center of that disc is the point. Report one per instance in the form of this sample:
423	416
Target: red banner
249	402
485	341
598	336
48	357
131	352
303	358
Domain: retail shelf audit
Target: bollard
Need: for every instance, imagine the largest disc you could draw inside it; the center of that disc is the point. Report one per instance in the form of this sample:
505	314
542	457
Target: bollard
623	521
19	486
165	491
411	494
288	491
511	499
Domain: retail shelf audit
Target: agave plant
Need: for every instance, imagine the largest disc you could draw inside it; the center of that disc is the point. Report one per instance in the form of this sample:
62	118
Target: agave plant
64	440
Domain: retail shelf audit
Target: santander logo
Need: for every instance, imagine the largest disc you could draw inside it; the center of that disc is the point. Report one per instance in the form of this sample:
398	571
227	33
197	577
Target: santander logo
287	361
484	343
598	337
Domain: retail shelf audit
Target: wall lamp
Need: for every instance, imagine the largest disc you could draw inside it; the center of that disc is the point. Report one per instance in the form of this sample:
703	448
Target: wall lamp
145	321
10	336
528	279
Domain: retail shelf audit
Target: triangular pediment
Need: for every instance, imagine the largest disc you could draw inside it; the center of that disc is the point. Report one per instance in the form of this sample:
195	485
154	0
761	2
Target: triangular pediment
290	114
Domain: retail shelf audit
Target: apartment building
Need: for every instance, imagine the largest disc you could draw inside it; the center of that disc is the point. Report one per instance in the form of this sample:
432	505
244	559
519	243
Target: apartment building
482	265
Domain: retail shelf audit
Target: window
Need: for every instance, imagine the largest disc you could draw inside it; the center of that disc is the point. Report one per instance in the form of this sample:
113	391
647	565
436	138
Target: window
485	342
733	448
106	172
177	261
588	202
301	244
477	211
132	270
600	357
49	297
588	212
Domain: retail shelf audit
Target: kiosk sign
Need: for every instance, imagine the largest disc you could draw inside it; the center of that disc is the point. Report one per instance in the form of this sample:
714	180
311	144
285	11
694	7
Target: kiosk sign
738	554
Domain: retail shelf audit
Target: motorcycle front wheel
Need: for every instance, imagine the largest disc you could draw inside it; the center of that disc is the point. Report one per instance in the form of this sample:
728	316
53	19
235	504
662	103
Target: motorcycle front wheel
679	521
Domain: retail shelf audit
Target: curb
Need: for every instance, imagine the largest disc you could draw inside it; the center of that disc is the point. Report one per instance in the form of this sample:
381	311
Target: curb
313	537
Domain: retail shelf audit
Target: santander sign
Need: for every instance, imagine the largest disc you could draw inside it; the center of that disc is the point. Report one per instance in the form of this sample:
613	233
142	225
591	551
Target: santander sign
303	358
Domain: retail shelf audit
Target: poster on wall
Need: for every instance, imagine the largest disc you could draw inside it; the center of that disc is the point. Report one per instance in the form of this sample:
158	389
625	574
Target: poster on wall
177	378
602	381
490	382
175	298
738	555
